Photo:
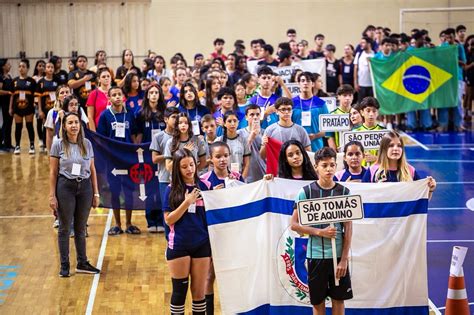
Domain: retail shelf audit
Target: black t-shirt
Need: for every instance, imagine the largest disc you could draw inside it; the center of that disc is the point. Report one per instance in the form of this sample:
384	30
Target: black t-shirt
347	71
315	54
332	73
122	71
81	92
7	85
44	90
27	86
274	63
470	72
61	77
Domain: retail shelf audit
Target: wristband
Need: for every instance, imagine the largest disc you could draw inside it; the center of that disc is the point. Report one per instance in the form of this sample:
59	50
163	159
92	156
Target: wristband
96	195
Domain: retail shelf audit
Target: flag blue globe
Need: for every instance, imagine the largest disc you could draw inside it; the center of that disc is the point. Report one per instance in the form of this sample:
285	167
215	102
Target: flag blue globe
416	79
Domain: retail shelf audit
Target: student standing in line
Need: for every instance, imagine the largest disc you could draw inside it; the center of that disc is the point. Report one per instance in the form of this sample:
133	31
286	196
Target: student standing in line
346	66
46	94
117	124
306	110
150	118
170	99
133	93
127	67
73	190
22	105
81	80
60	75
353	170
159	69
189	104
294	162
319	253
189	250
265	98
213	85
345	96
362	80
98	99
6	85
61	93
284	129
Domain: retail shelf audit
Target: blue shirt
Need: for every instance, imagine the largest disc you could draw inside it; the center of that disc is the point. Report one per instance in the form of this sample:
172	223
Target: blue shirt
212	179
190	231
317	107
346	176
240	116
380	55
461	57
264	102
108	120
134	103
369	176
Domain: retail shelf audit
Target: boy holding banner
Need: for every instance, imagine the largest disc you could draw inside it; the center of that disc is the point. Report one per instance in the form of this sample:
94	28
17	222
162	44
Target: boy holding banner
321	271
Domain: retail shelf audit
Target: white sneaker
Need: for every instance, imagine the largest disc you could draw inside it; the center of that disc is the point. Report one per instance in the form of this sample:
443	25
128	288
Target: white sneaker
160	229
56	224
152	229
17	150
32	149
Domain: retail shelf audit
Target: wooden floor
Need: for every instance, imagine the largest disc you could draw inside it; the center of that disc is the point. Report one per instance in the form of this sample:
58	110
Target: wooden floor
134	276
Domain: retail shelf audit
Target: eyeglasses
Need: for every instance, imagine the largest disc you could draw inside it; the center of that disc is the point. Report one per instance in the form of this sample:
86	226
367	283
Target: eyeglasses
285	110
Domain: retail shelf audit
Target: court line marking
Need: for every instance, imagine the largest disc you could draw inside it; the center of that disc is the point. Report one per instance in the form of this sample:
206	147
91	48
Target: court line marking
447	208
100	260
441	161
449	149
444	307
454	183
433	307
416	141
451	145
450	241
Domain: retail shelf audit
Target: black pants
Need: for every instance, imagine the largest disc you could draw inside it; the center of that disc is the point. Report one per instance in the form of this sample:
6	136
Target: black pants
74	202
6	130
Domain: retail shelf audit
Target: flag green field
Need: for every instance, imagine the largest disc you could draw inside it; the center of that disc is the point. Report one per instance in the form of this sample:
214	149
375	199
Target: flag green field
416	79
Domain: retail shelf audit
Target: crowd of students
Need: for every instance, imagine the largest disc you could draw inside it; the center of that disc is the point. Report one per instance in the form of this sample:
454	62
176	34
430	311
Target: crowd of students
211	122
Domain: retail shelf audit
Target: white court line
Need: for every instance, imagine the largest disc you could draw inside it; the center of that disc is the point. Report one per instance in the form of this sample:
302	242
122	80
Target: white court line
433	307
444	307
440	161
95	282
450	241
447	208
416	141
454	183
449	149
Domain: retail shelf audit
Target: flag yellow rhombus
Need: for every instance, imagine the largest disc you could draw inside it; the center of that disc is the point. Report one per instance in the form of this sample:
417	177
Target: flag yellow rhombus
416	79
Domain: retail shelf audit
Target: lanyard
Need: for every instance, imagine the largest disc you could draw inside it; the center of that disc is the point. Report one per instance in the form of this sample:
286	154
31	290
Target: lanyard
195	116
310	105
115	118
266	101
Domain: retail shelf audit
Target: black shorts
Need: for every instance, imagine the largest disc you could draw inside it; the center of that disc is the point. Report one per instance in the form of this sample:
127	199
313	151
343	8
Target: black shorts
200	251
28	110
321	282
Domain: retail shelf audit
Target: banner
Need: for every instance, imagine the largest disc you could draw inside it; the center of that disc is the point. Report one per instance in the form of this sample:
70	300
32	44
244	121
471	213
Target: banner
416	79
260	262
126	175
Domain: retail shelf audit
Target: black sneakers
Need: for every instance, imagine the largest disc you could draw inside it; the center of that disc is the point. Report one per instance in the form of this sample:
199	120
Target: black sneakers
64	271
87	268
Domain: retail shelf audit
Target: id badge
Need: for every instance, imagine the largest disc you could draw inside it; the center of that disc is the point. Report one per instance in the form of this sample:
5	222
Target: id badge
192	208
347	69
88	85
306	119
234	167
76	169
22	96
154	132
52	96
196	129
120	130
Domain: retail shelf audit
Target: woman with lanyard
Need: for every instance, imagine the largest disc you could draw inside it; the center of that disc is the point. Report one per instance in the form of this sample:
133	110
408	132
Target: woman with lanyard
189	103
306	110
22	105
150	119
46	93
98	100
128	66
6	84
73	190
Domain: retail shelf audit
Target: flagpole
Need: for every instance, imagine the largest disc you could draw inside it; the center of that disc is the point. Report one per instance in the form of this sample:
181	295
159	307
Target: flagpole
334	257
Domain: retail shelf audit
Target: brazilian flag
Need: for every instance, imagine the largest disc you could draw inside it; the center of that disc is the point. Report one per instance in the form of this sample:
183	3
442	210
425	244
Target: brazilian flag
416	79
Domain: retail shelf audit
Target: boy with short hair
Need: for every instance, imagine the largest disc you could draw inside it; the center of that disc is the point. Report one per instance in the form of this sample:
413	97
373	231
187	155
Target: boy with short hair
265	98
218	50
285	129
319	252
209	127
157	148
345	96
118	124
253	133
317	52
369	109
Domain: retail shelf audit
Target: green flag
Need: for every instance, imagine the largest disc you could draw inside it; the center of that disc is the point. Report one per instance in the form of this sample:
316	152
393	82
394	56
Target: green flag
416	79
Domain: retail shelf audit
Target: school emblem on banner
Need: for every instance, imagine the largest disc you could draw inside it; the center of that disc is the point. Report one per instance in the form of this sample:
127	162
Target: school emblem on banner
291	265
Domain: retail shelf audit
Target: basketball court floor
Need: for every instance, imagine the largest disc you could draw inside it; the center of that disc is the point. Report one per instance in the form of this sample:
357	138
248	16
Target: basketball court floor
135	278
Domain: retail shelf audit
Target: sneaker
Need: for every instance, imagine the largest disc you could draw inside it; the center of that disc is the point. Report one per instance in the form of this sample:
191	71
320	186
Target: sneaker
17	150
64	271
152	229
87	268
32	149
71	234
56	224
160	229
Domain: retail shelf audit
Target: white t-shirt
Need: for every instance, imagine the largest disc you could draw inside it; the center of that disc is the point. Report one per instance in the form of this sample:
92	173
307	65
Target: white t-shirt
363	71
51	119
